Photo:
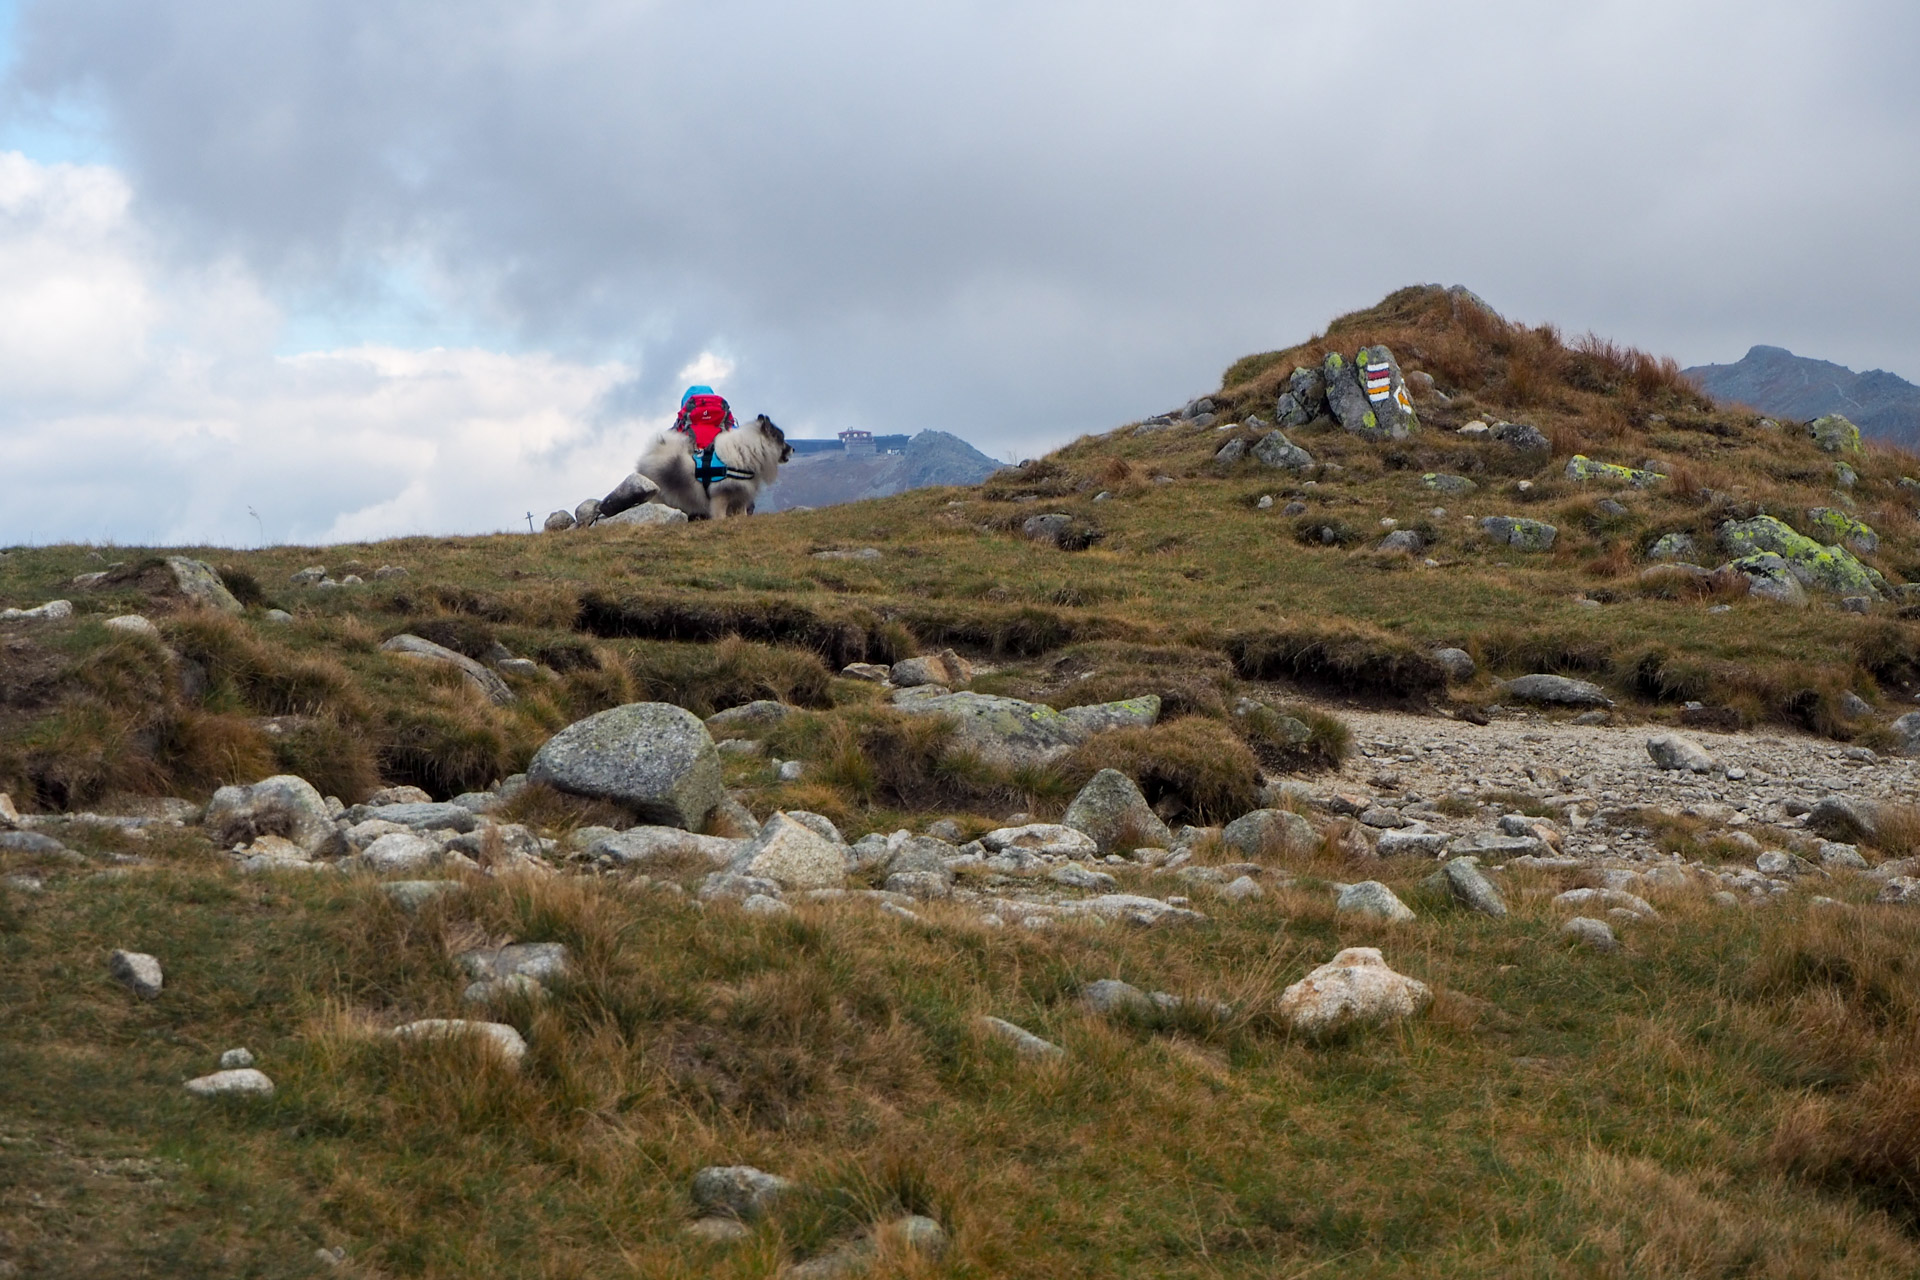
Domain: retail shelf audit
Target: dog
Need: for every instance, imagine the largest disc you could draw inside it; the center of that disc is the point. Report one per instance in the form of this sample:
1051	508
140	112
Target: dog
752	455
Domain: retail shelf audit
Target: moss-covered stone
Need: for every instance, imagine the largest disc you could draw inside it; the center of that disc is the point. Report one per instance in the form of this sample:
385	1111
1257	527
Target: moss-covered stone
1442	483
1835	434
1831	525
1672	546
1581	467
1830	568
1519	533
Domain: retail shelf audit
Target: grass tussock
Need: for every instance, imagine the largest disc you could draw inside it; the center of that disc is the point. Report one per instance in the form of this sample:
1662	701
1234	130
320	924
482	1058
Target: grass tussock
1351	659
1192	769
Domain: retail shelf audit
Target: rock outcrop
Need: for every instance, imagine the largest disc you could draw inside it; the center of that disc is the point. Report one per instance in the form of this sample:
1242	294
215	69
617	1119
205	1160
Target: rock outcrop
654	758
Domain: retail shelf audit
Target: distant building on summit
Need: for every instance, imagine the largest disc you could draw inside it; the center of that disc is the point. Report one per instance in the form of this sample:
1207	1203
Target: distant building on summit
857	442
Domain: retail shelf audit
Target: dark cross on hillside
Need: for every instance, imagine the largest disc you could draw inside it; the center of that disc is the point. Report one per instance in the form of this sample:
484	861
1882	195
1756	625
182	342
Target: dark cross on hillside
529	522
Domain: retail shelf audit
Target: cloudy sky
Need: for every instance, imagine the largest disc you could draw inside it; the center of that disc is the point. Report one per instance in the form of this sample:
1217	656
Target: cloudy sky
316	270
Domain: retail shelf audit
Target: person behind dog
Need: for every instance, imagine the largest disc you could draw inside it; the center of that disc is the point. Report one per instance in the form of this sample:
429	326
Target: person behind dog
703	418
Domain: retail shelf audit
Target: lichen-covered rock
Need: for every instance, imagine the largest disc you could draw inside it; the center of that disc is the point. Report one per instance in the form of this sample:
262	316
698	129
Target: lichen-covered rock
1452	486
1265	832
1007	731
1520	533
279	806
1304	400
654	758
1837	526
1765	576
559	522
1556	690
486	682
1275	450
1581	467
1112	811
1829	568
1672	546
1845	818
1356	986
1231	452
1369	396
1834	434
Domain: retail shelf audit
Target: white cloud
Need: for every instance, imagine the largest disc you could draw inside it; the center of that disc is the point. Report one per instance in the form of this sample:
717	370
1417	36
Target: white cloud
140	400
707	369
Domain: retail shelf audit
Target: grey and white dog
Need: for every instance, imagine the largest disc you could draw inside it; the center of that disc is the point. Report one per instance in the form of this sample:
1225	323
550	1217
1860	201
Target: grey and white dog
752	455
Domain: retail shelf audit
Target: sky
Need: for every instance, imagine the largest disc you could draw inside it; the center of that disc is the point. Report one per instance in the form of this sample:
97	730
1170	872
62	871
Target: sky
327	270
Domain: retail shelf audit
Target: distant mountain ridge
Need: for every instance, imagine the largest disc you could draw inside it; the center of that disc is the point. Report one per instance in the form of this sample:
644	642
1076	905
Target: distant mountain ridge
1774	380
833	477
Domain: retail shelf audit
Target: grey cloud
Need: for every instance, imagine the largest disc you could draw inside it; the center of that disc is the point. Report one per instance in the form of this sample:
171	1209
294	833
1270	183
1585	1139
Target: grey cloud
1022	221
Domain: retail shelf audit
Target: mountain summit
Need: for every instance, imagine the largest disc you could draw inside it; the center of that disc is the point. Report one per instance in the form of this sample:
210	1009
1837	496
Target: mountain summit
1774	380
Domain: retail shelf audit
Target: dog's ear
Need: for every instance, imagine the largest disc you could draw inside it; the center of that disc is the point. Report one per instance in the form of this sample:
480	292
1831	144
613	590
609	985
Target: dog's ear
766	425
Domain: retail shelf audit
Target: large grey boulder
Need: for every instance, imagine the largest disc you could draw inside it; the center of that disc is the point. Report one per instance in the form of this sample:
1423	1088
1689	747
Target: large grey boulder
1009	732
1024	1042
1111	809
279	806
1369	396
138	972
1520	533
236	1082
646	515
1556	691
763	713
1828	568
419	816
639	846
1678	753
486	682
1521	437
498	1037
793	855
1275	450
559	522
1304	400
1766	576
1356	986
1845	818
197	581
1457	663
1371	898
1907	733
919	868
737	1191
51	611
1265	832
633	491
1471	888
1835	434
652	757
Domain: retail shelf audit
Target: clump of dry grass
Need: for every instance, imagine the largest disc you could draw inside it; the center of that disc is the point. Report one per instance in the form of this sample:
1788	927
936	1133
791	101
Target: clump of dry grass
1192	769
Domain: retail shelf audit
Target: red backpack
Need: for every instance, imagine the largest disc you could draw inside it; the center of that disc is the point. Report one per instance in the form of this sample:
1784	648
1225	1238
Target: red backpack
704	418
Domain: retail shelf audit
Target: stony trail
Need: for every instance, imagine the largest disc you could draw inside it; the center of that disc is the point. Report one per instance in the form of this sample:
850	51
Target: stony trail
1766	780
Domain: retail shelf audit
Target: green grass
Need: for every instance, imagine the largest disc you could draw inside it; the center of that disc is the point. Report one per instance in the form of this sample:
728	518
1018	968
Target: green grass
1556	1113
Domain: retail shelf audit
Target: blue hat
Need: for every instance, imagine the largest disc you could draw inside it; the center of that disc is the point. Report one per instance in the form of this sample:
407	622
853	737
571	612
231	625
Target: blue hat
694	391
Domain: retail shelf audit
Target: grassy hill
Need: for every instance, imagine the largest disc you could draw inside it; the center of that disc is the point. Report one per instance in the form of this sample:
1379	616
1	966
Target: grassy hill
1731	1095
